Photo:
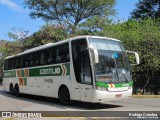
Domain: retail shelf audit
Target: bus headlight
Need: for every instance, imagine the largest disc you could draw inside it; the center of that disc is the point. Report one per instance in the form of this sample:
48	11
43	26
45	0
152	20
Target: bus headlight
101	88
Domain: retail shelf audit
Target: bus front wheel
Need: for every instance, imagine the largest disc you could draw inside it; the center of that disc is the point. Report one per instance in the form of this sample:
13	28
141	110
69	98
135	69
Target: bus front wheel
64	95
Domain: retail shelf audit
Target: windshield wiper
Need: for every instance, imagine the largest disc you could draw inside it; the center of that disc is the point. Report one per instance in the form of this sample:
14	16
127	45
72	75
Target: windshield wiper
123	74
116	69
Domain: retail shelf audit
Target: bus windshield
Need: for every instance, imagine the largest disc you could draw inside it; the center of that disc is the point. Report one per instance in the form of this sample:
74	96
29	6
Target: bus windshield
113	66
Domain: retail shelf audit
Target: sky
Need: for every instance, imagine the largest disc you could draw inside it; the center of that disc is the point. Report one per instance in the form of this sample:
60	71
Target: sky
13	14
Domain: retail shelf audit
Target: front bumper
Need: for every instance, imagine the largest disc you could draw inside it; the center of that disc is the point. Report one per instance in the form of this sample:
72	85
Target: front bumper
101	96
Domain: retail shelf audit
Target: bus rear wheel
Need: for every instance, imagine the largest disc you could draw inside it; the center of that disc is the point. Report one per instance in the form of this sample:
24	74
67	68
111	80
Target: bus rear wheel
11	89
16	91
64	96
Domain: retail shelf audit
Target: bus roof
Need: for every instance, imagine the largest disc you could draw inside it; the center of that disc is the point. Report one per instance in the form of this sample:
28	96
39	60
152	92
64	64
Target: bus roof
57	43
89	36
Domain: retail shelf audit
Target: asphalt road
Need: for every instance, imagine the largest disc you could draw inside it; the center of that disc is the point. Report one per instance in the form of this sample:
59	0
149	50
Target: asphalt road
9	102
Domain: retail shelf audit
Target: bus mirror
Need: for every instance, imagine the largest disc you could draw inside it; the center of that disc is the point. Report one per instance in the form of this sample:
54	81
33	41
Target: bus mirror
136	56
94	55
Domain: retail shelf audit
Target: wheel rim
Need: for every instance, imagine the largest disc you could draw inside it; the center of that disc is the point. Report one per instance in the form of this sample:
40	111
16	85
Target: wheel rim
66	96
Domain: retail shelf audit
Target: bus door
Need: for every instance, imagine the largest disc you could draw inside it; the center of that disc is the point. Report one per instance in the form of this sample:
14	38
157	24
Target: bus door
81	64
86	78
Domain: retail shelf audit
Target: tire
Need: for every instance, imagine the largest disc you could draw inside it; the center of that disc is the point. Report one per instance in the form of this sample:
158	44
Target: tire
64	96
16	91
11	89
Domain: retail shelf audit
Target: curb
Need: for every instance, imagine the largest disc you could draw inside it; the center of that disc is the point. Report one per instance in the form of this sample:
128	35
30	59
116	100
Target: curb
145	96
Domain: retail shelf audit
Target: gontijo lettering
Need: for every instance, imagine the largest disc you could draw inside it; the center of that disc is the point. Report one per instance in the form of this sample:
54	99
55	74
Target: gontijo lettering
50	71
7	74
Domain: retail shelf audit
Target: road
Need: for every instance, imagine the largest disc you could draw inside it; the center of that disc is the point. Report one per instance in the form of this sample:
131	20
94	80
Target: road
9	102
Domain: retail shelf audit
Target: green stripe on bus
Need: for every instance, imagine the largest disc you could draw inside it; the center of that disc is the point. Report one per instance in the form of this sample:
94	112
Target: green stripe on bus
46	71
50	71
56	70
102	84
9	74
22	73
25	81
68	69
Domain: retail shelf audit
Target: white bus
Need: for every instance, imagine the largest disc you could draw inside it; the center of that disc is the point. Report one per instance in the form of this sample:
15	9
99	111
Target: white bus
83	68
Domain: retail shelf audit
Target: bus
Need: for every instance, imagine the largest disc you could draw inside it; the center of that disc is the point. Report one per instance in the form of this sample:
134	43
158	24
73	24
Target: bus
83	68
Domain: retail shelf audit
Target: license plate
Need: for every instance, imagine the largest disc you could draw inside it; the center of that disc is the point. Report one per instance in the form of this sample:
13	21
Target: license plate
117	89
118	95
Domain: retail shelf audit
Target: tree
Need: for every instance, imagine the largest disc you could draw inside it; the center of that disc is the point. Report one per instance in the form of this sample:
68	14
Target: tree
146	8
18	36
48	33
14	46
69	13
142	37
93	26
6	49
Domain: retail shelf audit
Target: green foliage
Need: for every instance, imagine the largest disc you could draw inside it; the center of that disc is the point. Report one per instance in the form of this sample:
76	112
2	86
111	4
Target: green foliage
69	13
142	37
146	8
93	26
18	37
49	33
6	49
16	45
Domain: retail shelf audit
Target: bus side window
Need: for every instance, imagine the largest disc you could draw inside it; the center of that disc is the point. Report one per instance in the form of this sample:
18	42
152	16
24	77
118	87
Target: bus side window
42	58
6	65
45	56
52	57
15	63
19	62
78	46
10	63
37	58
31	61
58	56
25	61
62	53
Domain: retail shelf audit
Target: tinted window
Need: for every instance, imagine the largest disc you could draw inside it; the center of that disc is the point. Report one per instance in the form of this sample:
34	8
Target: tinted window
81	61
34	59
62	53
19	65
6	65
10	63
45	57
15	62
25	60
52	55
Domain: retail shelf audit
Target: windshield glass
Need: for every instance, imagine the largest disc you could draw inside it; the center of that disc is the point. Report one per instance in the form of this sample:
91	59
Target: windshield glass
113	64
